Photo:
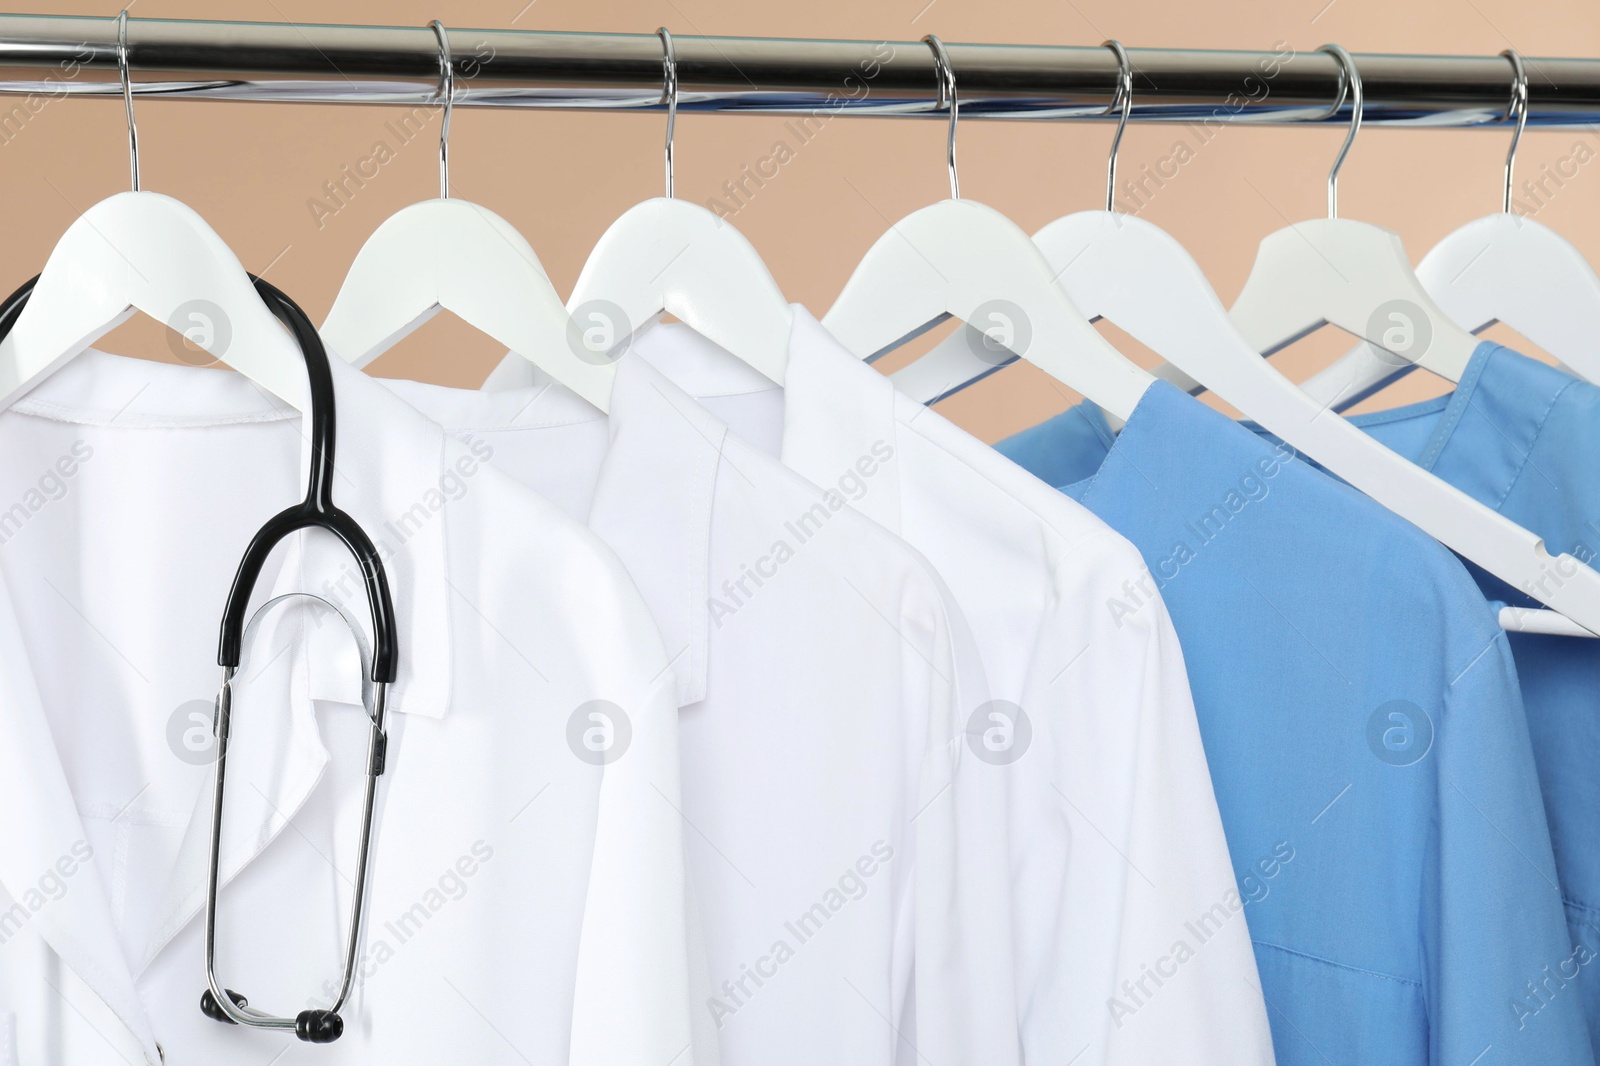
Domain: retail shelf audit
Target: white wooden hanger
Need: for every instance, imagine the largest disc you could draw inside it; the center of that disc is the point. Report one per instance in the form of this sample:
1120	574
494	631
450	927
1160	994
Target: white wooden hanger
1351	274
962	259
459	256
1500	268
670	256
142	251
1125	269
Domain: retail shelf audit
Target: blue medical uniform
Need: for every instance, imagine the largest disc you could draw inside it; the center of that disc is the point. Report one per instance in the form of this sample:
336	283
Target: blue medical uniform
1524	438
1365	732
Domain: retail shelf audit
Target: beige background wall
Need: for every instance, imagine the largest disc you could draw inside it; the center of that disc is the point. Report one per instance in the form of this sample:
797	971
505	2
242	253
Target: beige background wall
253	170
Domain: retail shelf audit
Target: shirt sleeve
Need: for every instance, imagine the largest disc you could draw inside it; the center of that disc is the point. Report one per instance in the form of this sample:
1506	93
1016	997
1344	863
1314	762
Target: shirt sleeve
1498	962
631	1002
1133	945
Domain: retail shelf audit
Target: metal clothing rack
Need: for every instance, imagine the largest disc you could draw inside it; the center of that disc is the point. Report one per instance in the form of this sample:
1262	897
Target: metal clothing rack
45	55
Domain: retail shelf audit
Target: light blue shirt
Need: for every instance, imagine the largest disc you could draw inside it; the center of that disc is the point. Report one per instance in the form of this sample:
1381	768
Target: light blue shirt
1367	742
1525	439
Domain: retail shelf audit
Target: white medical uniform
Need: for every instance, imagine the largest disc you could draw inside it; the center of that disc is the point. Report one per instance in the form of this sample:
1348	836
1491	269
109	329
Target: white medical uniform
526	898
1116	838
846	846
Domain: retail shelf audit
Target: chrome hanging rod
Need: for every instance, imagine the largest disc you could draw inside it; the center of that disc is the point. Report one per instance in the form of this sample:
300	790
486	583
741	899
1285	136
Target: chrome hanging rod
49	55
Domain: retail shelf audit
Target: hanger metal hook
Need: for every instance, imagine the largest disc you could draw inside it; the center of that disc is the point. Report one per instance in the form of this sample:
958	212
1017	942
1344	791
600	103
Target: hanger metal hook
127	94
1519	109
447	92
947	98
669	94
1124	96
1349	83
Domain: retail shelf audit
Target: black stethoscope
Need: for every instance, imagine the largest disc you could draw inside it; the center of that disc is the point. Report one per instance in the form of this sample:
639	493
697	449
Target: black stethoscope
316	511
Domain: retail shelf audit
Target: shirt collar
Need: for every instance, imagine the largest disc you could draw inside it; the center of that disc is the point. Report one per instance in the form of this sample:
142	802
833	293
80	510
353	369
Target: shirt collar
1483	431
836	408
1478	437
389	476
655	495
654	506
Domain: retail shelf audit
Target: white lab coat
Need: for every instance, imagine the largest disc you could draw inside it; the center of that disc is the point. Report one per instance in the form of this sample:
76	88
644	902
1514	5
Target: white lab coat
526	902
842	837
1117	841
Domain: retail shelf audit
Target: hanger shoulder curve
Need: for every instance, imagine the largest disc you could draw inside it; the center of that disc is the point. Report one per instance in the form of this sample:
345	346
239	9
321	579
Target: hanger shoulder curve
461	257
1111	263
1499	268
148	252
1505	268
953	258
672	256
1353	275
1108	264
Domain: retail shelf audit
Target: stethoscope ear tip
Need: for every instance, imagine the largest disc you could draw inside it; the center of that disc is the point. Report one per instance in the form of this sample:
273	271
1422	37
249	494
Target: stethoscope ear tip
318	1026
211	1009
